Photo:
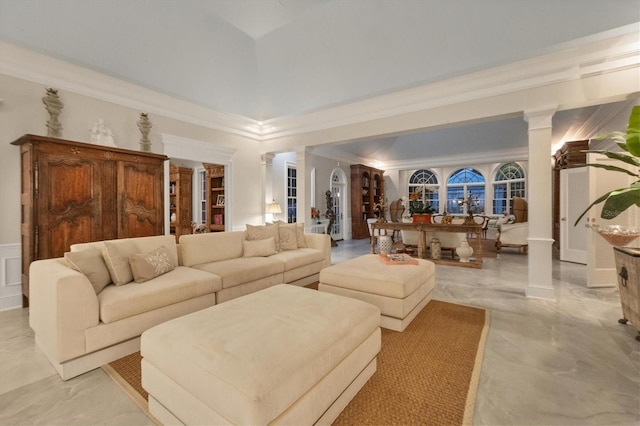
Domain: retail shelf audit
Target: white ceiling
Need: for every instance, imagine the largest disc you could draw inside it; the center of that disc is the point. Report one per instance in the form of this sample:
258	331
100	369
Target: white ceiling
270	58
259	17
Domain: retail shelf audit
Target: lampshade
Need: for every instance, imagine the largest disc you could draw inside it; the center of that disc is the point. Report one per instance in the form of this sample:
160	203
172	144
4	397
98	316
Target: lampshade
273	208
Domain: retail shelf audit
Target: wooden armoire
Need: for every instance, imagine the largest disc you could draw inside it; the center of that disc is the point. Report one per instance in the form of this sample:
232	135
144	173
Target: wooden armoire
367	188
73	192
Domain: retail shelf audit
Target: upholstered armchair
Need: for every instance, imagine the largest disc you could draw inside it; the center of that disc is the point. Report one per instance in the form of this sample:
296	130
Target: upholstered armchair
515	234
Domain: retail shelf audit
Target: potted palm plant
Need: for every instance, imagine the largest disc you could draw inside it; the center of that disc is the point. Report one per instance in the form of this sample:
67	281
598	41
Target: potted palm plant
627	259
620	199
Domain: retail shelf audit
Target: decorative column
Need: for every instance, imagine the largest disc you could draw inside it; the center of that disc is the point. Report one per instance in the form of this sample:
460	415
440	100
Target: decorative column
266	167
540	191
303	188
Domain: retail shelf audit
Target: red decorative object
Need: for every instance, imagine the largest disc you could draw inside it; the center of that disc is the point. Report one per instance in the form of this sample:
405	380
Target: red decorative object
421	218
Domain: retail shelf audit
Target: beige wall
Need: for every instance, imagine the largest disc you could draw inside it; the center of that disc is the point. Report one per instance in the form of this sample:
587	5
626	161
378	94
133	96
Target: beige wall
22	111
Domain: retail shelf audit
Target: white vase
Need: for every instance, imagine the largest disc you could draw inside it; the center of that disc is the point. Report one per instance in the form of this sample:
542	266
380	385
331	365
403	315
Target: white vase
384	244
464	252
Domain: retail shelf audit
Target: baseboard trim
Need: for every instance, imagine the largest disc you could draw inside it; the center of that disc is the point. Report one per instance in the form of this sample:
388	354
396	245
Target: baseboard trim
10	276
545	293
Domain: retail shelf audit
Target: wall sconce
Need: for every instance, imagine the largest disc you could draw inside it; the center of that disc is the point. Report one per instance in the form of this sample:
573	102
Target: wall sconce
273	208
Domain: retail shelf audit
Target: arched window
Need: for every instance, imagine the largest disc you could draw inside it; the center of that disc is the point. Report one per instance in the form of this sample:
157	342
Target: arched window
423	188
509	182
466	191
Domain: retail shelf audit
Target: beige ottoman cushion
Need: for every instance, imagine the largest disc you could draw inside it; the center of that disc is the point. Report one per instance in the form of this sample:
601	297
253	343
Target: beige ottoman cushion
400	291
252	358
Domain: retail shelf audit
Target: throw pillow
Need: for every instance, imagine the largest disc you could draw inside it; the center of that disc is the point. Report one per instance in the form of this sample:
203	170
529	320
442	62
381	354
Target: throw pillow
259	248
90	263
150	265
263	232
116	255
288	234
301	241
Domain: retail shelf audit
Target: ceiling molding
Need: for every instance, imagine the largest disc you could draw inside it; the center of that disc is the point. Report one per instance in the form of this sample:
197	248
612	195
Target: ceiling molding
602	53
332	153
595	56
31	66
506	155
193	149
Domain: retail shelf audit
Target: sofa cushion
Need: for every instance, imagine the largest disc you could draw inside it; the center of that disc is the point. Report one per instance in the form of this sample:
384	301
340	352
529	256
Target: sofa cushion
118	302
259	248
243	270
288	234
146	266
90	263
116	256
262	232
296	258
197	249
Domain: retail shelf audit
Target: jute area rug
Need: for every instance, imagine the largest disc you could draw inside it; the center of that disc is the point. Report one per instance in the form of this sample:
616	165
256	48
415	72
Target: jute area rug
427	375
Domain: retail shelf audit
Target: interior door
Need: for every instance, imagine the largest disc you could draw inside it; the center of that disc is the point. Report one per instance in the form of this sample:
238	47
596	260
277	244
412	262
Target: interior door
337	191
601	267
574	198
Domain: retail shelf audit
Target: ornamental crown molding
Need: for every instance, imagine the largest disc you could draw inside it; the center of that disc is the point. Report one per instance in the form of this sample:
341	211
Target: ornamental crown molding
598	54
177	146
38	68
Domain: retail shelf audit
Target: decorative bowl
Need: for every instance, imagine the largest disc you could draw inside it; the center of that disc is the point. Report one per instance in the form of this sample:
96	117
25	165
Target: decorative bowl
617	235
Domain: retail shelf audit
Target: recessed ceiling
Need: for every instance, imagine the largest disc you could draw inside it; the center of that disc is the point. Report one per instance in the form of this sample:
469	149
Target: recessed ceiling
259	17
270	58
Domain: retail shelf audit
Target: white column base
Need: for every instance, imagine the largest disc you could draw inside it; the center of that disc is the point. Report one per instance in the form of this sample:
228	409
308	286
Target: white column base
540	279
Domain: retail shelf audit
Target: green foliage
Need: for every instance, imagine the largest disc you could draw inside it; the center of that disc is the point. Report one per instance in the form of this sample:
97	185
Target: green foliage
420	207
619	200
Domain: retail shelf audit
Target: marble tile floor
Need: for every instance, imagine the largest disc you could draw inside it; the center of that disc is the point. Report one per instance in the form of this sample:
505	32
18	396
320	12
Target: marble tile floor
563	362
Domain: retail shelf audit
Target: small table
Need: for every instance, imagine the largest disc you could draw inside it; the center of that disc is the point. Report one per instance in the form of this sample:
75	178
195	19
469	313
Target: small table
318	228
476	262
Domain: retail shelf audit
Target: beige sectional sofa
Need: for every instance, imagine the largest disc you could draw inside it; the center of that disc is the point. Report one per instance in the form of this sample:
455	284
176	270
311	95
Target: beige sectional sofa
88	309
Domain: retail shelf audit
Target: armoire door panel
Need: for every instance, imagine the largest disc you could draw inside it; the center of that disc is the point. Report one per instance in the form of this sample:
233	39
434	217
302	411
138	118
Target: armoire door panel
141	193
71	212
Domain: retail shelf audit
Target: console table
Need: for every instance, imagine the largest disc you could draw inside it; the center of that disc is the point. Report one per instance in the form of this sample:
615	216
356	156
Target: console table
422	228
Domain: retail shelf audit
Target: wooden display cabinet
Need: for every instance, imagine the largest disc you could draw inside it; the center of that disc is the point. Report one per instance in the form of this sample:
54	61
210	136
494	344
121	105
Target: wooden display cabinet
180	202
215	197
570	155
367	189
74	192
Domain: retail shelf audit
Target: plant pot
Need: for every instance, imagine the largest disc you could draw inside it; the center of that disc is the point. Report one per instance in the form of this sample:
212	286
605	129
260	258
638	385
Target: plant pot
421	218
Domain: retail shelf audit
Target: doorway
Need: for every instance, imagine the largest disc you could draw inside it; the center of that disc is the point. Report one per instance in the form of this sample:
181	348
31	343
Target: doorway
339	197
574	198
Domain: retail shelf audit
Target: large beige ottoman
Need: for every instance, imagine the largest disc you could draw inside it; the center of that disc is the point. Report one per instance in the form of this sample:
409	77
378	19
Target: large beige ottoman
284	355
400	291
